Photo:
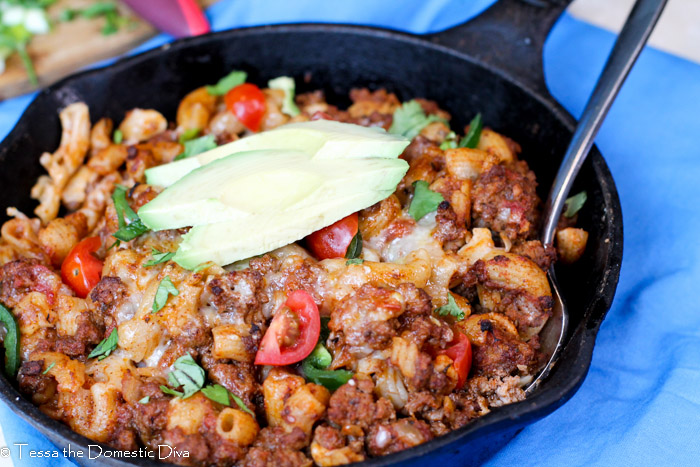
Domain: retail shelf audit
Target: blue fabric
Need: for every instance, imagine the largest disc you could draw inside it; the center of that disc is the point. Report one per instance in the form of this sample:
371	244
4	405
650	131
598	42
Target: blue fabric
640	404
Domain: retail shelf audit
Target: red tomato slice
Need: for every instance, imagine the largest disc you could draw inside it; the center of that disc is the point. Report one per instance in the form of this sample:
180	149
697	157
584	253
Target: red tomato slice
81	269
460	351
293	332
247	102
333	241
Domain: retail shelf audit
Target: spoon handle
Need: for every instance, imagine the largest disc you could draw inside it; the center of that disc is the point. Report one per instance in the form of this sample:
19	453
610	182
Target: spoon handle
629	44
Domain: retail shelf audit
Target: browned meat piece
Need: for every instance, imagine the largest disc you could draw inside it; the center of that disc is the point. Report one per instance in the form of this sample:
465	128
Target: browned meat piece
90	331
353	404
140	195
366	317
416	322
544	256
20	277
449	226
386	438
274	447
237	377
139	158
238	292
194	444
34	383
105	297
502	352
506	202
423	147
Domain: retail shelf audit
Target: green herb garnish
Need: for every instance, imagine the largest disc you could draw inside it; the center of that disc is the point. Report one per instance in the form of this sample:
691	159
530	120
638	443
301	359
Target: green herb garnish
220	394
410	119
145	400
227	83
471	139
48	368
118	136
355	247
573	204
354	261
188	375
314	368
188	135
10	341
134	227
165	289
106	347
197	146
450	141
159	257
424	200
286	84
451	308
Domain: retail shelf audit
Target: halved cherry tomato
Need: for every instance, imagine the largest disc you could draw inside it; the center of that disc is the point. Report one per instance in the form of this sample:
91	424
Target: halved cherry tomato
81	269
293	332
247	102
333	241
460	351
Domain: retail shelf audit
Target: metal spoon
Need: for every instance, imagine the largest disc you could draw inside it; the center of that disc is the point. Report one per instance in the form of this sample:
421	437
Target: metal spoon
629	44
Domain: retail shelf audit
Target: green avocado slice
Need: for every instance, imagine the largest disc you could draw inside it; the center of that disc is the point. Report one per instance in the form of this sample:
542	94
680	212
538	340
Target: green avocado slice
321	139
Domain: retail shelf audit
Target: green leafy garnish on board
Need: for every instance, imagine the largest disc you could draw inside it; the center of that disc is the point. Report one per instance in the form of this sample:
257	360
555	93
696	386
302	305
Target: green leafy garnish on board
220	394
165	289
134	227
410	119
227	83
424	200
197	146
355	247
108	10
186	374
188	135
287	85
118	136
471	139
573	204
48	368
10	341
159	257
106	347
451	308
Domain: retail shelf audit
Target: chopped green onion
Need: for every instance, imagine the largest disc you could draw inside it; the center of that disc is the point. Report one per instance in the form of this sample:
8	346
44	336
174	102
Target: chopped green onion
424	200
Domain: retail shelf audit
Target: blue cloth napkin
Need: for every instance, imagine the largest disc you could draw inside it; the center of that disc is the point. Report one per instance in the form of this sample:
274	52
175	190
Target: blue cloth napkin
640	404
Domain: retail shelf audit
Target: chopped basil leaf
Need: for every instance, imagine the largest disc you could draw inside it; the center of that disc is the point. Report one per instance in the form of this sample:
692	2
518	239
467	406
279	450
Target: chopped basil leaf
48	368
450	141
118	136
197	146
132	229
451	308
286	84
573	204
105	347
10	341
188	135
159	257
471	139
188	374
217	393
145	400
424	200
355	247
227	83
220	394
354	261
203	266
410	119
172	392
240	404
165	289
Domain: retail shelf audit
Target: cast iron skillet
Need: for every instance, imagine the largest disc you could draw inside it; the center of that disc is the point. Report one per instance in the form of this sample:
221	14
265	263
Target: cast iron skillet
492	64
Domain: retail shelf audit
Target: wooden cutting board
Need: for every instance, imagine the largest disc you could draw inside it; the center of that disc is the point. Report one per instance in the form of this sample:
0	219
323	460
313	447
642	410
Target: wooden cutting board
72	45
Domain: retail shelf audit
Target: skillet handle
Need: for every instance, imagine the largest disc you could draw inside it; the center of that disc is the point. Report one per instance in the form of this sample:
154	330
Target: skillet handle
509	36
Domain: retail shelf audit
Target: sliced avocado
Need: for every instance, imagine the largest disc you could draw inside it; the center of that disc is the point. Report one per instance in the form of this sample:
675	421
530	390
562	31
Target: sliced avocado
227	242
261	182
321	139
